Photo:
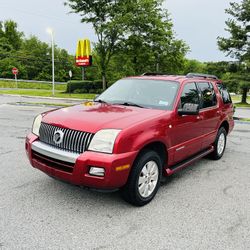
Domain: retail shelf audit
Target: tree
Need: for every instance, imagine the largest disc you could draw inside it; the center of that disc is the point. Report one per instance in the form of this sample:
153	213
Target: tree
103	15
193	66
8	31
238	44
150	42
138	30
239	80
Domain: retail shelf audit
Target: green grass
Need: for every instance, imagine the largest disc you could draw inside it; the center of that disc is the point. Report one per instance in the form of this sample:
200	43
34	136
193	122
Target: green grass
242	105
46	93
245	119
237	98
31	85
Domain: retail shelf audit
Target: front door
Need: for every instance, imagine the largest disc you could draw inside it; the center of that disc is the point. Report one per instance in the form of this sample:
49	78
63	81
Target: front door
186	136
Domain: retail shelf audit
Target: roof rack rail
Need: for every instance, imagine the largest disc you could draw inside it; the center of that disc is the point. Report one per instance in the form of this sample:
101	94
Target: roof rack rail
206	76
154	74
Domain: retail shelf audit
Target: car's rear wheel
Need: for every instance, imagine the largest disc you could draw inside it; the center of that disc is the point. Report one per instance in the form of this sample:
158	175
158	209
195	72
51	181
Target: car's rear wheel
219	144
144	179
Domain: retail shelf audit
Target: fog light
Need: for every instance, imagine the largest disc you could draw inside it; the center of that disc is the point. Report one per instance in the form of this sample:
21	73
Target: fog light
97	171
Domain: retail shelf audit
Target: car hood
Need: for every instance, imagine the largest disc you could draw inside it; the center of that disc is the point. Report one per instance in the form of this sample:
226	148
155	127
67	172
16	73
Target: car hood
91	117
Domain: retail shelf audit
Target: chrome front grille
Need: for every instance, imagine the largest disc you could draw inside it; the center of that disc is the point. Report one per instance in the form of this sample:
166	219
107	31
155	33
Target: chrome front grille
73	140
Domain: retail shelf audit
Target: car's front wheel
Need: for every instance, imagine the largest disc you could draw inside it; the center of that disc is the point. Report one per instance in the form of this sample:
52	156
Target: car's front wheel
219	144
144	179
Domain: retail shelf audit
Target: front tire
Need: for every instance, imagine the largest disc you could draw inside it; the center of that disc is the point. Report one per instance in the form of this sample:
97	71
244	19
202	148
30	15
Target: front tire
144	180
219	144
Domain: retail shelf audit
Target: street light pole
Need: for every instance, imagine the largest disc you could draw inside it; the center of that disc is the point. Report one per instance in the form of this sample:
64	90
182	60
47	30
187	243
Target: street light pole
51	32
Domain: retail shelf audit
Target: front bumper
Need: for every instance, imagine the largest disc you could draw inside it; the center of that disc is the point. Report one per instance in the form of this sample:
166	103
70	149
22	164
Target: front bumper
74	168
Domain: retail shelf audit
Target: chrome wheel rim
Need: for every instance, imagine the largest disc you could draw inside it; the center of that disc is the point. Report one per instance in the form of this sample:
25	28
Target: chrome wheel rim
148	179
221	144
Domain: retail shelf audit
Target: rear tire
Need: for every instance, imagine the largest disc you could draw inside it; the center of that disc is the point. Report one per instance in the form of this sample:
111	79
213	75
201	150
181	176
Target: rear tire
144	180
219	144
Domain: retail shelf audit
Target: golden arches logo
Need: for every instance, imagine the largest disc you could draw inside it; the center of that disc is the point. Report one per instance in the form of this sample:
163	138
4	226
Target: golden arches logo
83	53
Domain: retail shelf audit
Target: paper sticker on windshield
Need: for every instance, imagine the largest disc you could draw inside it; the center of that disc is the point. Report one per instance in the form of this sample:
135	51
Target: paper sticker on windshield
163	103
88	103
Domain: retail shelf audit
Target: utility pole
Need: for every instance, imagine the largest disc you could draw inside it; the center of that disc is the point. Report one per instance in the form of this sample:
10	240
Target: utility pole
51	32
83	73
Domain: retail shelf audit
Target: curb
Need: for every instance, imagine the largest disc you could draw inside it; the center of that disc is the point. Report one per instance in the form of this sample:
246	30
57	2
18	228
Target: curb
242	122
240	119
242	108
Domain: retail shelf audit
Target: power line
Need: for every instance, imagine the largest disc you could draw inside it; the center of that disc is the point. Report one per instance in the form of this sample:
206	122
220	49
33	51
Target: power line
35	14
32	58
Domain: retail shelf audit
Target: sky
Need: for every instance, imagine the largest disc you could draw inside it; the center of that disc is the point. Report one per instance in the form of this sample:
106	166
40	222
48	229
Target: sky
197	22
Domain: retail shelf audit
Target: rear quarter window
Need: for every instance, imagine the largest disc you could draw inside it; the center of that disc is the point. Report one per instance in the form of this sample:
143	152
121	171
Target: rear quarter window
224	93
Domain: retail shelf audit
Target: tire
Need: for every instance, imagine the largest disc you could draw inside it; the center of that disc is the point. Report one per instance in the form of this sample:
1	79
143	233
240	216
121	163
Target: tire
144	180
219	144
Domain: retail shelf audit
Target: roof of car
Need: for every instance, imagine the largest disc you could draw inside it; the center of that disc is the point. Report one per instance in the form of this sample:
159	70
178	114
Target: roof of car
162	76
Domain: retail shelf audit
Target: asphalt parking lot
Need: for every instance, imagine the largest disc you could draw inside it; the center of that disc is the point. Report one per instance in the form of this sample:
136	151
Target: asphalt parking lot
206	206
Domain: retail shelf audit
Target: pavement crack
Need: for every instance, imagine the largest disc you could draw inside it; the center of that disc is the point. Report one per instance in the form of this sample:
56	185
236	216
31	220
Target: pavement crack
209	171
101	247
238	223
24	185
235	143
226	189
241	130
21	137
5	153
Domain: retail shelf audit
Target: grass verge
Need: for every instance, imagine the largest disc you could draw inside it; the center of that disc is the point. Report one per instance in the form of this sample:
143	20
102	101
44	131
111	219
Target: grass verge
237	99
46	93
31	85
242	105
245	119
43	104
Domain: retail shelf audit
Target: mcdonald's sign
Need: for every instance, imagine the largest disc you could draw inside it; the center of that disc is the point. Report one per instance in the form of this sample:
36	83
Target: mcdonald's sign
83	53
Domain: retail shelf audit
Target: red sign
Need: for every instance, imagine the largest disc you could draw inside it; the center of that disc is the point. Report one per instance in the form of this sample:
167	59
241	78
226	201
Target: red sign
84	61
14	71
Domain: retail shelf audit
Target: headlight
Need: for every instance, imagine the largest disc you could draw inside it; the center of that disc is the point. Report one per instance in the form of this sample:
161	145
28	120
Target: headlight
36	125
103	141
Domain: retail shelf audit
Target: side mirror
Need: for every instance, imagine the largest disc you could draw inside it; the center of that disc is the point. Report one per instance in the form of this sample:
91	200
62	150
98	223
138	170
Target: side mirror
189	109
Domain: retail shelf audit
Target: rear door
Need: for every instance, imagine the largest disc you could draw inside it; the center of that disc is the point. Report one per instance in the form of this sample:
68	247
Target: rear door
210	113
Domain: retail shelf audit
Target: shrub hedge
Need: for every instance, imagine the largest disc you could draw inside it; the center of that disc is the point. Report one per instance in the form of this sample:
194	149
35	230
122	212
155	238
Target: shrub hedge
84	87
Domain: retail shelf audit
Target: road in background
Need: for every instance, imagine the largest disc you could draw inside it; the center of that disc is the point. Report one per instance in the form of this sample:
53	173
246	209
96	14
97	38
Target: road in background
15	99
242	113
205	206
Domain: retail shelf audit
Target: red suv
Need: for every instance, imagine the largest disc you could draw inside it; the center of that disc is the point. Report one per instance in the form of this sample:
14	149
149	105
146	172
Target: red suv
138	130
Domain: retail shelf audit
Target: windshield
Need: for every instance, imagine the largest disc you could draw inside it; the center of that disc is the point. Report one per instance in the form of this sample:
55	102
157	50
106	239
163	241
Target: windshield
155	94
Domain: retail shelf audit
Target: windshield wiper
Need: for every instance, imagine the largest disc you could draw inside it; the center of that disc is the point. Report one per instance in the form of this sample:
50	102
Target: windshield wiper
129	104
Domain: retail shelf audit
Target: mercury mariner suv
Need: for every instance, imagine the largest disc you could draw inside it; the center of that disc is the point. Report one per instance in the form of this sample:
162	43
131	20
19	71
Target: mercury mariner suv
140	129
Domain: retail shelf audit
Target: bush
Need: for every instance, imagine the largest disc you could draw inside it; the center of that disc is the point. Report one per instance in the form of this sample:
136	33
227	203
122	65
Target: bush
84	86
80	91
99	91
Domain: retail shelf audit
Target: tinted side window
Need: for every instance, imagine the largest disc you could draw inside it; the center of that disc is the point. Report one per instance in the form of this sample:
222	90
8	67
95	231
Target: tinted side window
224	93
208	95
190	94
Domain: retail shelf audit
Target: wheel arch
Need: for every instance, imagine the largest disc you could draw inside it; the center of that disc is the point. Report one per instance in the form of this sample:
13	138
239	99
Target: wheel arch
157	146
225	124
